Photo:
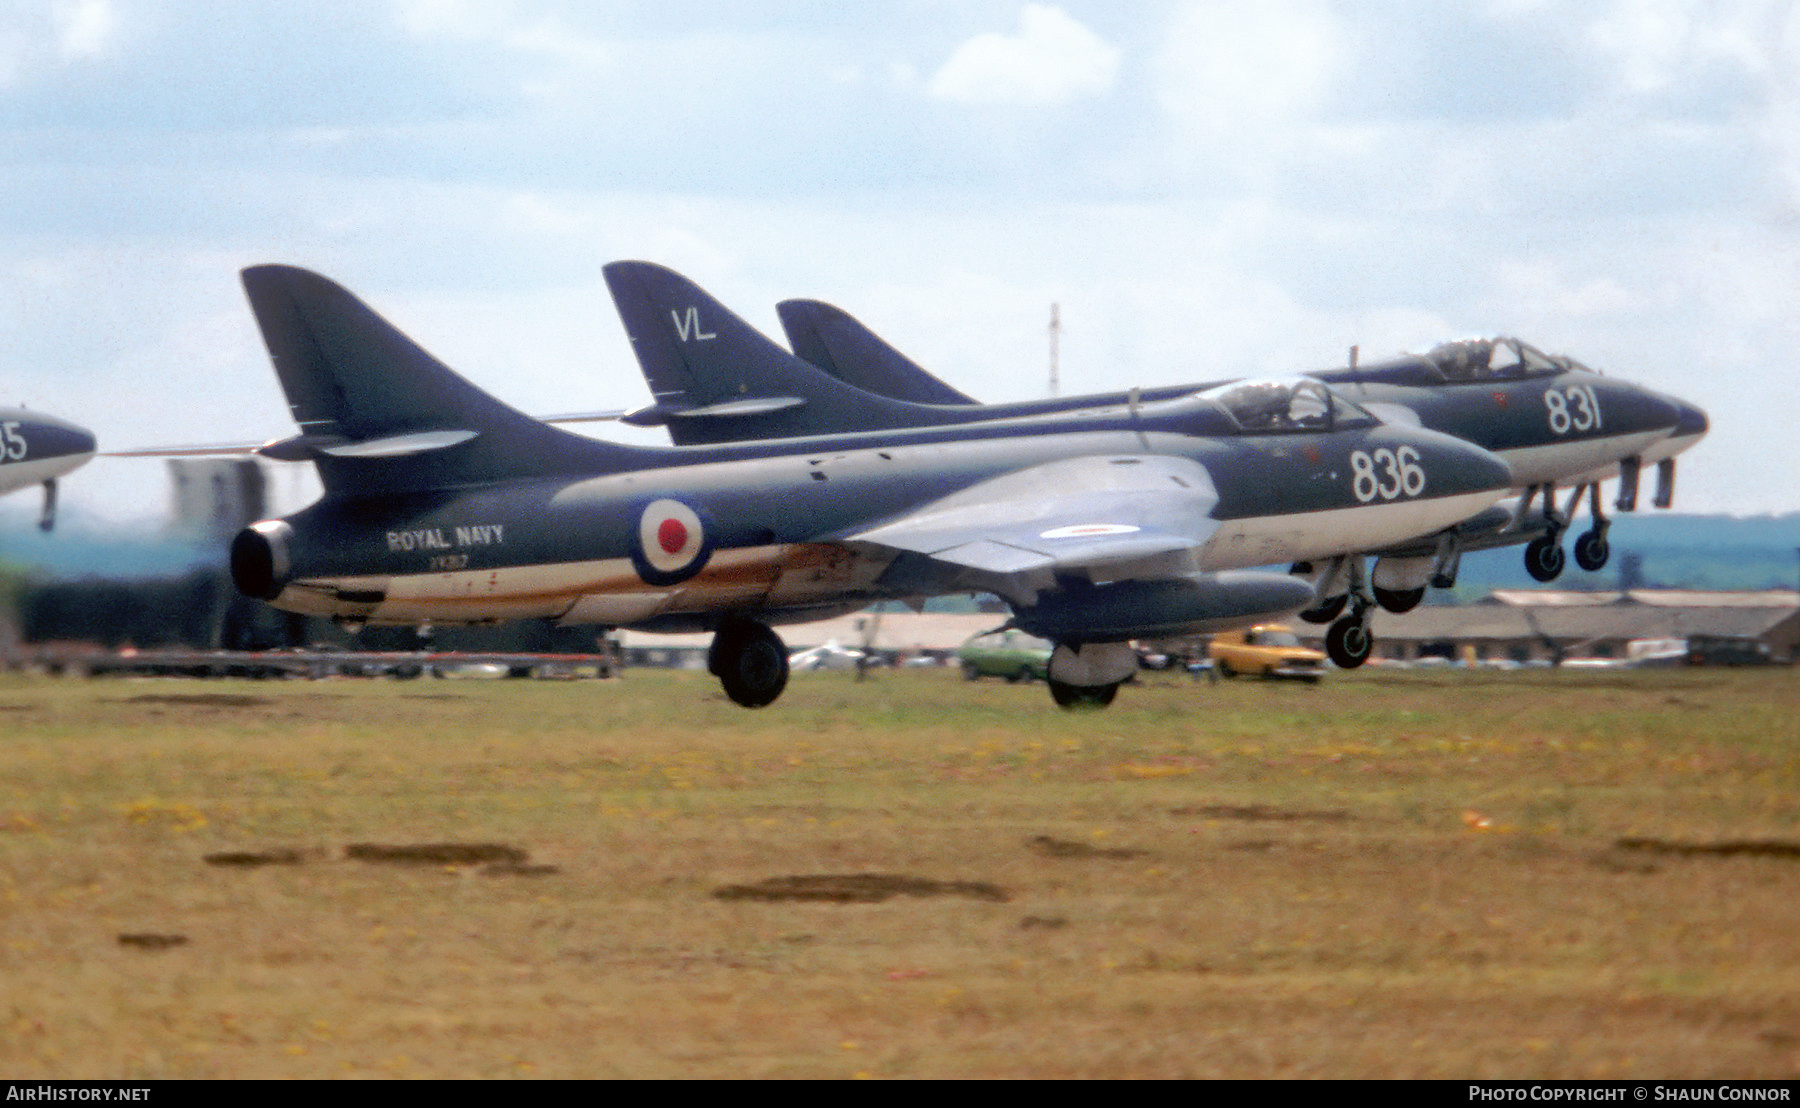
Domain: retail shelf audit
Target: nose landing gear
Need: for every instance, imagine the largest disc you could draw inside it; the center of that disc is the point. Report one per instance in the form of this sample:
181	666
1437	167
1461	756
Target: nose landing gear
1348	642
1544	558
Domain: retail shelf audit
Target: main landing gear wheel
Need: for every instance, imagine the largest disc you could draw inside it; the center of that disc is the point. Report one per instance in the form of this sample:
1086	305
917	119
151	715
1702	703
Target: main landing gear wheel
1544	559
1082	696
1398	600
1348	642
1327	610
751	662
1592	551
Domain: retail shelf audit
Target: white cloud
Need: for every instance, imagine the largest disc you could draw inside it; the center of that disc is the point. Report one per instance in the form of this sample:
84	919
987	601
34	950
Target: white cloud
1541	288
34	38
1658	43
1242	66
465	19
1053	60
85	27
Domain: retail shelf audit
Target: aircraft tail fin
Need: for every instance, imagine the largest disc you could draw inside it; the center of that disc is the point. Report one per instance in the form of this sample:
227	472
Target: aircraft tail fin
377	413
718	379
838	343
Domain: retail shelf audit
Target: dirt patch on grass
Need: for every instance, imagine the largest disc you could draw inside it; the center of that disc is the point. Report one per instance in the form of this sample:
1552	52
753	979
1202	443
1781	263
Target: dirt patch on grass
200	700
1063	848
857	888
1262	812
1731	848
252	859
438	854
151	941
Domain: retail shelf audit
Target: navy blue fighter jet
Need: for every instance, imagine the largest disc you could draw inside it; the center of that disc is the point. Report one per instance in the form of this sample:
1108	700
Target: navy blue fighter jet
1552	419
37	449
1555	421
1098	526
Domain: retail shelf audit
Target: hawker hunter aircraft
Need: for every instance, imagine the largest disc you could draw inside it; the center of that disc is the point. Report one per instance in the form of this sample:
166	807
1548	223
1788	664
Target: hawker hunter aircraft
1555	421
1552	419
706	394
36	449
1098	526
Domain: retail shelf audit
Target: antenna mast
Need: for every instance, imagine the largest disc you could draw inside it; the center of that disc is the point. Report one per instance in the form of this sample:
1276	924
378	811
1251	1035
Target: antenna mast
1055	342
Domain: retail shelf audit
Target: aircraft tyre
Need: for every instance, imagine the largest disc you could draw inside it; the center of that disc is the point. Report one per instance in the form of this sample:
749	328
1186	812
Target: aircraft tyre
1225	669
1082	696
971	672
1398	600
1592	551
1544	559
751	662
1348	643
1327	610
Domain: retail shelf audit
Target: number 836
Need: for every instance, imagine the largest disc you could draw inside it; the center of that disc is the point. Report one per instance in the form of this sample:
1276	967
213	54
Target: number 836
1386	474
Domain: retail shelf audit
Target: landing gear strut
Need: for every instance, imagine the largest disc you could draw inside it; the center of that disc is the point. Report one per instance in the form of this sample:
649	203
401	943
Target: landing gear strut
1348	642
750	661
1544	558
1591	550
47	520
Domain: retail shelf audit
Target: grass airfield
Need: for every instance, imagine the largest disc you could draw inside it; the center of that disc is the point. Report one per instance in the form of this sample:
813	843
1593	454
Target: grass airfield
1391	875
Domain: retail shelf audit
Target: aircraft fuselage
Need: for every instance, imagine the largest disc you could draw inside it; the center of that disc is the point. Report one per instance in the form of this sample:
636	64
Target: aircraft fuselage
684	535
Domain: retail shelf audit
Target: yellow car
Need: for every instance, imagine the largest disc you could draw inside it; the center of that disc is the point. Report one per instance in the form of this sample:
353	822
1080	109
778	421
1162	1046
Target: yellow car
1268	650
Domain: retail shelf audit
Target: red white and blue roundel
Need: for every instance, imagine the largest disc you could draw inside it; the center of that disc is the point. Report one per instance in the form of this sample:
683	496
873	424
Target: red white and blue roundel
672	543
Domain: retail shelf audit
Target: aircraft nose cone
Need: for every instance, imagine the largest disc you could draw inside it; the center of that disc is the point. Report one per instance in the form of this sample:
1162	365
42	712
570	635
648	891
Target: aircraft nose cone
58	438
1690	421
1478	469
1654	410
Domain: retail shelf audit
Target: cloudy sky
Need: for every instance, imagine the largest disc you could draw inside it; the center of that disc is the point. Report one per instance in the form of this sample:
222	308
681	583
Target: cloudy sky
1206	187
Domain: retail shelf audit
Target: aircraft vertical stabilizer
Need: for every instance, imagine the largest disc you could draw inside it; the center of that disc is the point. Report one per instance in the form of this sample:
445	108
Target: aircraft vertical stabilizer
379	414
717	379
838	343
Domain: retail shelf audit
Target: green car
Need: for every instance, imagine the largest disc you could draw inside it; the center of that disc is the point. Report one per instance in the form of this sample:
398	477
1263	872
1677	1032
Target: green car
1013	655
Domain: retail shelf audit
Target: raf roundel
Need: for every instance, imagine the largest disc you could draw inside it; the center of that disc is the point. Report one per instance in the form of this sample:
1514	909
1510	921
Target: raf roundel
672	545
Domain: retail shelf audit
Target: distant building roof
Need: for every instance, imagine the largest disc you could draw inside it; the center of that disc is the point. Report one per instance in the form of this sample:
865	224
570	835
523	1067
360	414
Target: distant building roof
1660	598
1568	623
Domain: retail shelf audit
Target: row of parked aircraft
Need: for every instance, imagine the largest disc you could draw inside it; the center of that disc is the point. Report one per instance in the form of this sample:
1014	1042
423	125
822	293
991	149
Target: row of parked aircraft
810	483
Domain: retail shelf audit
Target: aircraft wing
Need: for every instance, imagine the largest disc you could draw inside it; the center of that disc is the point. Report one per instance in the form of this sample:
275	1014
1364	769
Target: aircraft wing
1108	518
262	446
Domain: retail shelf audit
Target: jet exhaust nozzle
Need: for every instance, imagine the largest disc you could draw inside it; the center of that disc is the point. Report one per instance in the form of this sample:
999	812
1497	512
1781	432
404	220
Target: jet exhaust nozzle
260	559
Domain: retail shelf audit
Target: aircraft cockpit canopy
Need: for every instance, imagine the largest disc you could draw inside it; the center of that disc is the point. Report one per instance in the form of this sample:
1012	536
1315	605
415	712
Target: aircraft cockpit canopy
1499	359
1287	405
